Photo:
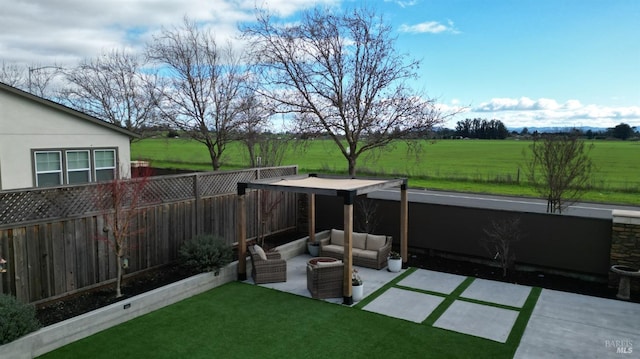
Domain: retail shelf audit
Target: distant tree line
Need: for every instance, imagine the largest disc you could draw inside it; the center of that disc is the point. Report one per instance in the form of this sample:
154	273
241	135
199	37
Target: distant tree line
622	131
482	129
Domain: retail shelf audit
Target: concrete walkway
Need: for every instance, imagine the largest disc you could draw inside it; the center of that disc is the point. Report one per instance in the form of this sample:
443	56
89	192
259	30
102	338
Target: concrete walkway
562	325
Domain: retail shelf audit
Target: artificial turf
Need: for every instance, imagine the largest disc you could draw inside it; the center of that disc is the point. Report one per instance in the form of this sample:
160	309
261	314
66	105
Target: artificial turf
240	320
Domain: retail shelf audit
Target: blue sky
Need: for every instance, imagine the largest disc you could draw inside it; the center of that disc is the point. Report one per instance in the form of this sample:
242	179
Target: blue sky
527	63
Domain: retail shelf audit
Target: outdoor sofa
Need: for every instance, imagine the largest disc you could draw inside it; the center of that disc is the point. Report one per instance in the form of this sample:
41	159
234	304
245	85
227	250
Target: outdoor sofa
369	250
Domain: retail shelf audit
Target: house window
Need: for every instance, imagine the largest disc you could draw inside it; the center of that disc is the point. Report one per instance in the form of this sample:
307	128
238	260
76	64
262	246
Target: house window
78	167
48	168
105	164
55	167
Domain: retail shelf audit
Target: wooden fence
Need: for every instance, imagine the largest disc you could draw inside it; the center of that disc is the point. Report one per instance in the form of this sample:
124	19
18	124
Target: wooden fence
52	238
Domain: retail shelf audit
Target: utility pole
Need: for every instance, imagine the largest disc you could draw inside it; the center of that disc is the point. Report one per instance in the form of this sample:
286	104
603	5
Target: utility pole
32	69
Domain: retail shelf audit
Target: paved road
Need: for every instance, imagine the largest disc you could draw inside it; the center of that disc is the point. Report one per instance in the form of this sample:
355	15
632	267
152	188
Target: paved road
524	204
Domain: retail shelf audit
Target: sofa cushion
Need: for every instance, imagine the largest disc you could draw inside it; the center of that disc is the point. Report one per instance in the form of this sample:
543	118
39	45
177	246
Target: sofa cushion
363	253
260	252
330	264
375	242
337	237
359	240
333	248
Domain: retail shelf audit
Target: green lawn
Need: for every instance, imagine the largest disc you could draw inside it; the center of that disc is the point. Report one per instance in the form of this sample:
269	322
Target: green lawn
240	320
464	165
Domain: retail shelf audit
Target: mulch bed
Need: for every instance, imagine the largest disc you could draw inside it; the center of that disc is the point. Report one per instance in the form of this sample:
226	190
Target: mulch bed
67	307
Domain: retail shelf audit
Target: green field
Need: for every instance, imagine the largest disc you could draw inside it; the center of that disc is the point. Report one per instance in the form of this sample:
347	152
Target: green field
461	165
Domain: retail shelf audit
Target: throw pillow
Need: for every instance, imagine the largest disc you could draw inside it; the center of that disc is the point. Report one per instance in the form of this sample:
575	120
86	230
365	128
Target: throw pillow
260	252
375	242
359	240
337	237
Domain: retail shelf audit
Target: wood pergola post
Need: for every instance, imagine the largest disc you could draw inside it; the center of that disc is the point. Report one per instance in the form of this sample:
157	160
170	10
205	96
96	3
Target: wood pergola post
404	225
348	254
312	217
347	258
241	223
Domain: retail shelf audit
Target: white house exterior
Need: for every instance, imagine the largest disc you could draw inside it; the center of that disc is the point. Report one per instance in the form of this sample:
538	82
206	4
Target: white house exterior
43	143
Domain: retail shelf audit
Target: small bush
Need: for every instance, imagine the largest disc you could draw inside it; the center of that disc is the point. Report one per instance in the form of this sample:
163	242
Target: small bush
205	253
173	134
16	319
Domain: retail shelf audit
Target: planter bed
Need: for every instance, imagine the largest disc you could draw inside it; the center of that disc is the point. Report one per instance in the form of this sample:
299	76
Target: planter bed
59	334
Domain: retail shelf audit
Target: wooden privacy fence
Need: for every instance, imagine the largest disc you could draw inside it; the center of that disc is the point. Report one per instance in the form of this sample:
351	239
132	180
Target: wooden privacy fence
52	238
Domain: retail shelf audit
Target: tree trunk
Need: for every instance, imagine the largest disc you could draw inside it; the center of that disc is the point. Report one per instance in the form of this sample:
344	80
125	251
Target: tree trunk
352	166
119	276
215	160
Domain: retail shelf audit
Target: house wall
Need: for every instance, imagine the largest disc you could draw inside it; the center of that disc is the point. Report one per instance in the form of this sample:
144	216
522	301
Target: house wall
26	125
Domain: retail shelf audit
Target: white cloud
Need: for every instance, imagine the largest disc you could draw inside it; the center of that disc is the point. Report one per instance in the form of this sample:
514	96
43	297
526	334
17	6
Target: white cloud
66	31
430	27
545	112
403	4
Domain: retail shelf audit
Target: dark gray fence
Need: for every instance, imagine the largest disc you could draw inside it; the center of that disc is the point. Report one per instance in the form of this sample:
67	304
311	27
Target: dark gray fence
572	244
52	238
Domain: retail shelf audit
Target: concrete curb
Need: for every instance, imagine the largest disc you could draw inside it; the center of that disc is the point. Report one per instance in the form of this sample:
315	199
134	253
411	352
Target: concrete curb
60	334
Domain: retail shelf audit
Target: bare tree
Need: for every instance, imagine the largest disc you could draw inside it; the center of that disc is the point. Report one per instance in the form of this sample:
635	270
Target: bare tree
116	87
204	84
253	122
36	79
340	75
12	75
122	199
499	242
366	214
559	168
269	202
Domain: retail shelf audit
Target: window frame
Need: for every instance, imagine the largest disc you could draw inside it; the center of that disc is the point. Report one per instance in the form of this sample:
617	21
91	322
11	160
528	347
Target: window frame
60	171
96	168
86	169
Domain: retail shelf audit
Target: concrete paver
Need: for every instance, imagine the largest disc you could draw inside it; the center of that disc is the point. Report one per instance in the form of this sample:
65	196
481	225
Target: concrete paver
404	304
438	282
478	320
513	295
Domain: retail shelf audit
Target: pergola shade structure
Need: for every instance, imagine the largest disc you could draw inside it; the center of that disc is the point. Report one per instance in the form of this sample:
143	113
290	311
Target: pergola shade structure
347	188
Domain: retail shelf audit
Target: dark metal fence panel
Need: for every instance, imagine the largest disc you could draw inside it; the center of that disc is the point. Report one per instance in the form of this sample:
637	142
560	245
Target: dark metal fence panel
50	254
568	243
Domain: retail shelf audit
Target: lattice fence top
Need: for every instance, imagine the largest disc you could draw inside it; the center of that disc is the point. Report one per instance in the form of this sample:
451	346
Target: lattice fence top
68	201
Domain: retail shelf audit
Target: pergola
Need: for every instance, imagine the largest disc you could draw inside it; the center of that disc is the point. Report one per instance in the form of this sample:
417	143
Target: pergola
347	188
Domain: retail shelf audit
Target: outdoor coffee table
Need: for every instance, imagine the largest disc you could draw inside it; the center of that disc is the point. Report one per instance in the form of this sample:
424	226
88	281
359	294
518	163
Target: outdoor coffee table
314	261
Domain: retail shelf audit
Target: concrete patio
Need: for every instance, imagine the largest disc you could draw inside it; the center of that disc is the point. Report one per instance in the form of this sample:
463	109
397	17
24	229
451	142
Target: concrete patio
562	325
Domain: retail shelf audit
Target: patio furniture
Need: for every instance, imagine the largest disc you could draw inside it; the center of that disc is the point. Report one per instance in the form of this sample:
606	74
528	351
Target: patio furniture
325	277
369	250
267	267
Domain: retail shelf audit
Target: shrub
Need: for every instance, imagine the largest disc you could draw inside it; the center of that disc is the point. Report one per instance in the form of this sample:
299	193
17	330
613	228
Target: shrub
173	134
17	319
205	253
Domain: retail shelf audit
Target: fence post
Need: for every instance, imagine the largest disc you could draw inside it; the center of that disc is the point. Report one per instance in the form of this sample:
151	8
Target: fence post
198	204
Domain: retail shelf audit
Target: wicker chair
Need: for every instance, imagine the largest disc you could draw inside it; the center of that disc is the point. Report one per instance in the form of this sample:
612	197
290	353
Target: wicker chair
271	270
325	281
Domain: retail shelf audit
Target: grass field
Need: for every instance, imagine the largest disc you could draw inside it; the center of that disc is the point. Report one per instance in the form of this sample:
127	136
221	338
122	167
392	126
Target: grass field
459	165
